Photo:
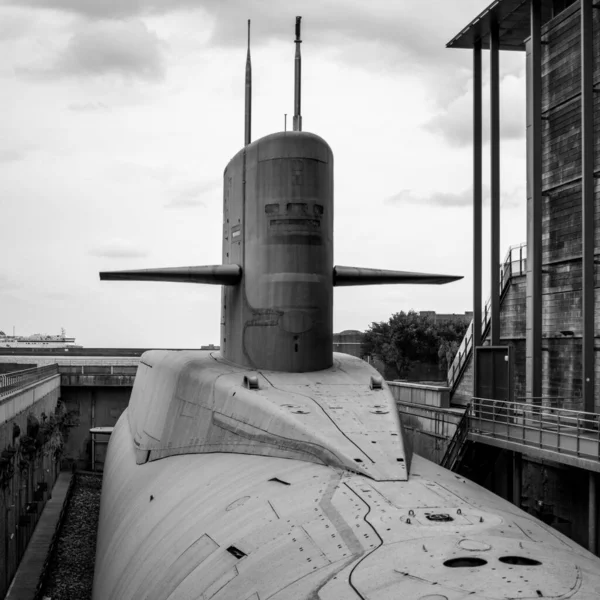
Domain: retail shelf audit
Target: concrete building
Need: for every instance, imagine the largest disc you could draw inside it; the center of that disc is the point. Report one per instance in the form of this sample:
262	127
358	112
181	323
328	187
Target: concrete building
560	40
348	341
465	317
546	310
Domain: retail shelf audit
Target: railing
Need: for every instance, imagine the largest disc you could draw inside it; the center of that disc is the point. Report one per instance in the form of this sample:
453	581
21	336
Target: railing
9	382
97	369
68	361
454	449
515	263
561	431
567	402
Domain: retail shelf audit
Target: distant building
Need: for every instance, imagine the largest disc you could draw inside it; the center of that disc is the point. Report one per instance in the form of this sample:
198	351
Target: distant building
466	317
210	347
348	341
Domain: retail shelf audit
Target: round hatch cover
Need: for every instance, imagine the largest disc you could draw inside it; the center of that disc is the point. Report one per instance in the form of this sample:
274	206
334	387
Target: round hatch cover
474	545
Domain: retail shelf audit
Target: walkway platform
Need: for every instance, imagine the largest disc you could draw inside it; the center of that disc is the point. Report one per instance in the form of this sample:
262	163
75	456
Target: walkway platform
24	584
566	436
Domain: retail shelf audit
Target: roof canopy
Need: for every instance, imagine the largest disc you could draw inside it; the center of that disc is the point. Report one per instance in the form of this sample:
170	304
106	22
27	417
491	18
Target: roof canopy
513	16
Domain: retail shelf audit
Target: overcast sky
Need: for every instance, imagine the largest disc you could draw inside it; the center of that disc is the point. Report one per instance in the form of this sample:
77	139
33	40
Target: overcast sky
119	116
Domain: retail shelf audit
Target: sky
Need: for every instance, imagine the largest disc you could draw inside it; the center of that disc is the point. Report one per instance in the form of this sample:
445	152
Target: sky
117	118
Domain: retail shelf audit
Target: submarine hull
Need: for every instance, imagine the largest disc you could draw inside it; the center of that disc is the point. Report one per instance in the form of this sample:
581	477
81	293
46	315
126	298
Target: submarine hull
252	508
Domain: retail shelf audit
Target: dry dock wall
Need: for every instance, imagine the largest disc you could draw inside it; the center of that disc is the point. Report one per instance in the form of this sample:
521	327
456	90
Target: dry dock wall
95	406
25	480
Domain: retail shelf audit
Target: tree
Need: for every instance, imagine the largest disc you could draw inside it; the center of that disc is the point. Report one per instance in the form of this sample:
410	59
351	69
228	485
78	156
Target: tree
409	338
446	352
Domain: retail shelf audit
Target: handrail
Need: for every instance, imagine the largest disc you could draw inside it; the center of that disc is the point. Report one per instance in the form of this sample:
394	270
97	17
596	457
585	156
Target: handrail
514	264
456	443
564	431
9	382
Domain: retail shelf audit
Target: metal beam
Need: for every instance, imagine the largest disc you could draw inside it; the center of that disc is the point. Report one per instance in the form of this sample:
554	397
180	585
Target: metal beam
495	182
477	195
586	464
517	478
534	206
587	198
592	514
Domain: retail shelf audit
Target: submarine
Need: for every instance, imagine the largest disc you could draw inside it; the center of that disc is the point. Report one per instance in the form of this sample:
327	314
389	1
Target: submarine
276	469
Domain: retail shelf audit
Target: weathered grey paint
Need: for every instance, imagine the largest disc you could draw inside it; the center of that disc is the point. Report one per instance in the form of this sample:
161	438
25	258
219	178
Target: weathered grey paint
239	506
278	225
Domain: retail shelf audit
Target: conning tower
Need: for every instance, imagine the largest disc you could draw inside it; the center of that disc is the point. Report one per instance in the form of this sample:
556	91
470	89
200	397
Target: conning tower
277	272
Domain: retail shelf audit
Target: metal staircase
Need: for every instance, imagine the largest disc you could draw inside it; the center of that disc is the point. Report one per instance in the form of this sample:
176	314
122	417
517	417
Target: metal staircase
514	265
457	446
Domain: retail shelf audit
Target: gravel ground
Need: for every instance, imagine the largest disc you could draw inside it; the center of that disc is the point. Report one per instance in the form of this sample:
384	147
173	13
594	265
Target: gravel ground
71	571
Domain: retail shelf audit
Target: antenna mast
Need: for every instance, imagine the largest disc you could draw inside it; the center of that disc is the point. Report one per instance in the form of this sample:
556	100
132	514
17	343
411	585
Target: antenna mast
248	113
297	83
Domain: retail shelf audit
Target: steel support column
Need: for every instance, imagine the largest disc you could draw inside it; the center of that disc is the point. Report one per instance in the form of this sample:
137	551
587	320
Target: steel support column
592	513
534	205
587	207
517	478
477	195
495	181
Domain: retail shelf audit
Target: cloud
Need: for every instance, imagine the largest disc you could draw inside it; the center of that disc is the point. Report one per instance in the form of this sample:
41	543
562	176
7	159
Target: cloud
378	36
117	248
445	199
79	107
8	283
191	197
455	123
107	9
513	197
510	197
14	26
125	48
11	155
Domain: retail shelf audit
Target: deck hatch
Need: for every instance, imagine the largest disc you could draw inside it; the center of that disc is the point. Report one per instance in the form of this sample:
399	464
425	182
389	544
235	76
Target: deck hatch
465	561
236	552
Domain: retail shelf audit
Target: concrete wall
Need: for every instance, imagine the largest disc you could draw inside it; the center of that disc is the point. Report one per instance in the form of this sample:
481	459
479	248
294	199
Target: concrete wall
420	393
558	495
97	406
23	489
428	422
11	367
512	333
428	429
561	206
22	399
